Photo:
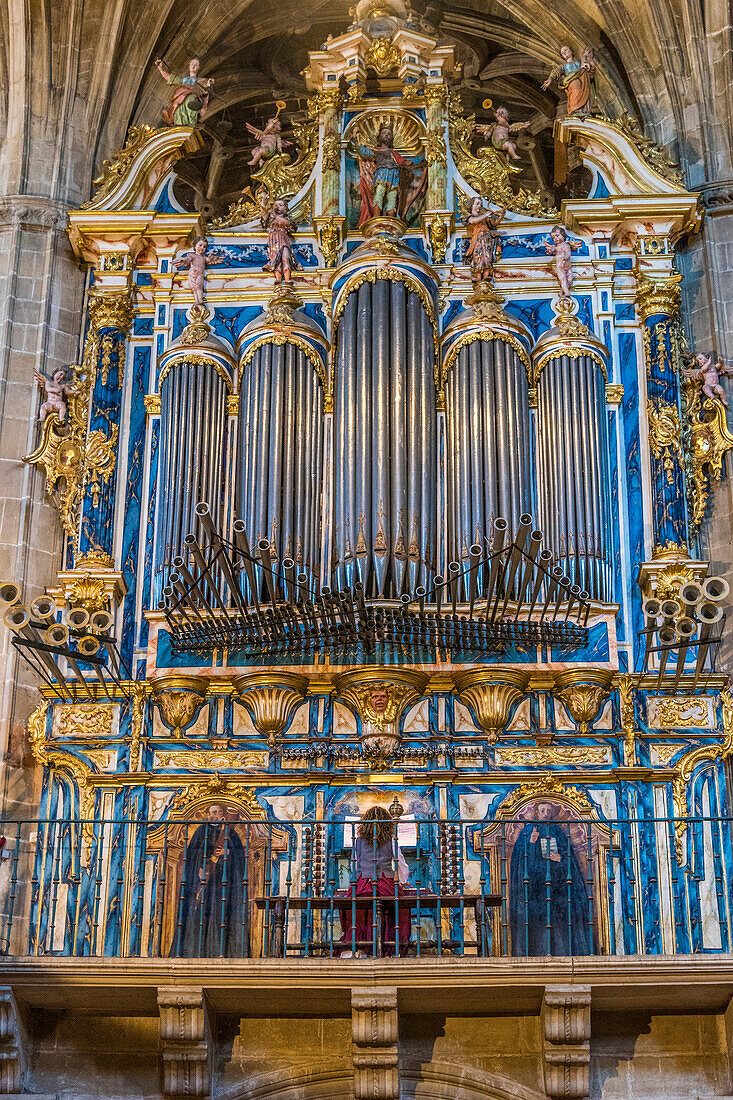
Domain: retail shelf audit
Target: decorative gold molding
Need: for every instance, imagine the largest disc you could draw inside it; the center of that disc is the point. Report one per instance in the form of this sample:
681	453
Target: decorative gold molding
627	695
687	765
84	720
656	156
545	785
195	797
116	168
665	432
569	756
487	335
183	358
658	296
706	440
380	696
280	338
614	394
152	404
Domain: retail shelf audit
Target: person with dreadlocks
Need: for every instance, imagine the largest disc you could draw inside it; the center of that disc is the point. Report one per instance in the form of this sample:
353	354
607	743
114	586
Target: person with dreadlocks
379	871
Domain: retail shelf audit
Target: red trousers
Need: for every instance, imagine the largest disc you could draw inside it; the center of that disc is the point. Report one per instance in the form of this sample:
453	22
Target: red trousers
385	888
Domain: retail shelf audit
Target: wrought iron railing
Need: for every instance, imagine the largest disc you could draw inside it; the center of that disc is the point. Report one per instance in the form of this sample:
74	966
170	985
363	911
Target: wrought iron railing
531	885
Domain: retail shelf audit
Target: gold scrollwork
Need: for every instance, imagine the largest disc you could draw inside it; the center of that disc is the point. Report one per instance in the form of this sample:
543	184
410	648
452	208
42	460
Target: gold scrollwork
658	296
706	441
614	394
546	785
489	170
560	755
486	334
62	762
626	696
114	169
382	55
435	147
665	435
277	175
690	761
286	338
561	349
329	234
85	720
71	458
583	691
152	404
656	157
187	359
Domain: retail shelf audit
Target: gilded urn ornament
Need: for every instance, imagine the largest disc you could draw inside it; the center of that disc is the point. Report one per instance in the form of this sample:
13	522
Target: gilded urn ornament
179	699
491	693
584	691
271	699
380	697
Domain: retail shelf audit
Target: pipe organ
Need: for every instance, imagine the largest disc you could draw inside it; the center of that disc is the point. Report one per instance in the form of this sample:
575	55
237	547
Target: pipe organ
385	458
421	465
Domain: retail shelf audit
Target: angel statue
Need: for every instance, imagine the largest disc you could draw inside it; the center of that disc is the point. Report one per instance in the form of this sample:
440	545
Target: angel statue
389	183
499	132
57	388
195	260
280	243
269	139
485	247
709	374
562	249
190	97
575	78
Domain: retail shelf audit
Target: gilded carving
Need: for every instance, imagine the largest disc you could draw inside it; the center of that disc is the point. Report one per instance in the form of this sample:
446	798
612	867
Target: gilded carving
217	787
179	699
583	691
678	712
271	699
152	404
114	169
277	175
546	785
380	696
382	55
209	760
329	234
571	756
488	171
614	394
706	440
84	720
626	695
665	432
71	459
655	155
491	693
687	765
658	296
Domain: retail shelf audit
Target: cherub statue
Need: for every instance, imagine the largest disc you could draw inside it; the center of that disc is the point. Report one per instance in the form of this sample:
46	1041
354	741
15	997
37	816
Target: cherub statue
575	78
269	139
562	249
57	388
500	130
710	374
190	97
196	260
485	247
280	244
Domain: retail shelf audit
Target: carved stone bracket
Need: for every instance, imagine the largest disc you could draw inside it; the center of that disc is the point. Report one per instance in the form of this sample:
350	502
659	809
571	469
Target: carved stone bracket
179	699
380	696
374	1043
566	1025
185	1041
12	1044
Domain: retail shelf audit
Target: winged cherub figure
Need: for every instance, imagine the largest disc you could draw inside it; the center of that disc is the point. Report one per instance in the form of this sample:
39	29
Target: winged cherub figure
269	139
57	388
709	374
562	249
499	132
195	260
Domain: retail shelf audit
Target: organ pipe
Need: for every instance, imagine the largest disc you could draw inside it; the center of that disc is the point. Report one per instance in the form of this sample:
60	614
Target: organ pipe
573	467
385	453
488	453
280	446
193	422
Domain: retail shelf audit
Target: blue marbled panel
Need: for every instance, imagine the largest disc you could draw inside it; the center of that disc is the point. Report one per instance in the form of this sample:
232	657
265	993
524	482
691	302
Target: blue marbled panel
150	529
528	246
221	256
631	483
139	376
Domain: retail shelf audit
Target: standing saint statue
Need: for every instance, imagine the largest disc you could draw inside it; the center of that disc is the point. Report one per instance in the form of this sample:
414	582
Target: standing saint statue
280	239
380	186
485	247
575	78
190	97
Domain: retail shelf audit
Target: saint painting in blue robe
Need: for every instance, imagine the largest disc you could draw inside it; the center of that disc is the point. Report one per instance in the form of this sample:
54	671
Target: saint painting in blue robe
212	918
548	900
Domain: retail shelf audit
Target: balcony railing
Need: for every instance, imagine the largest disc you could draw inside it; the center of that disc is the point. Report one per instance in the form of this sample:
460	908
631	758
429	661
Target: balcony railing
526	886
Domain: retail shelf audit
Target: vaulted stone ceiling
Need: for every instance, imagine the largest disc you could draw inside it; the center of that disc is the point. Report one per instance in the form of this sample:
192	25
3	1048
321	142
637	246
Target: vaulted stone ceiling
76	74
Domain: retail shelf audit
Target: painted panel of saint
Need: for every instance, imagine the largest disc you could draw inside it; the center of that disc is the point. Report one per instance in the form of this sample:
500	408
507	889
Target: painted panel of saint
385	176
212	919
548	895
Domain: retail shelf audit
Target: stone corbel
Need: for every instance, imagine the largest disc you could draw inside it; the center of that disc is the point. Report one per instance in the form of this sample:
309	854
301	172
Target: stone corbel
566	1032
12	1045
374	1043
185	1041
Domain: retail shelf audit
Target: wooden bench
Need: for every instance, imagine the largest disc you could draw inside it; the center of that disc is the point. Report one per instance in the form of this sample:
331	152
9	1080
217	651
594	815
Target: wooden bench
279	905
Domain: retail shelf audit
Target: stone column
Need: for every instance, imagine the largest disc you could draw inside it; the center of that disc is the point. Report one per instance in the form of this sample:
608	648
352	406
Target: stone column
374	1043
566	1026
330	110
658	301
41	293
